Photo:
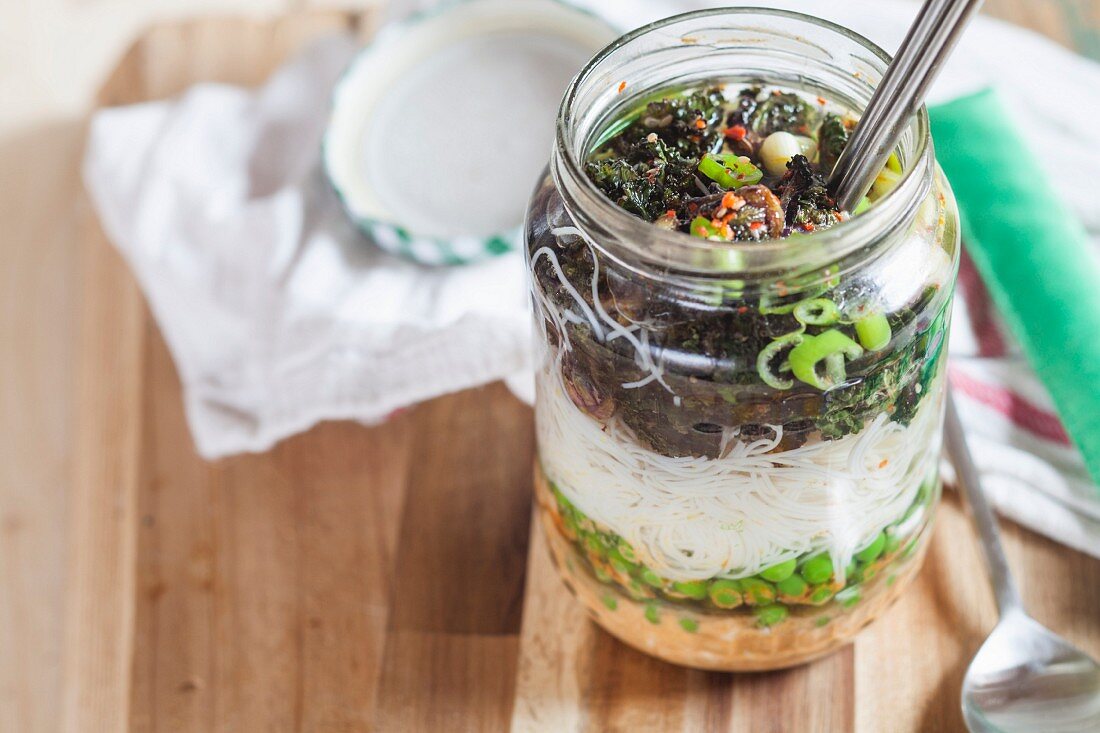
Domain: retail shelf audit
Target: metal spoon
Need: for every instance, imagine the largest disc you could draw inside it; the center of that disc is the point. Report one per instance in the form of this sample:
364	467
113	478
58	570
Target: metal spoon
1025	677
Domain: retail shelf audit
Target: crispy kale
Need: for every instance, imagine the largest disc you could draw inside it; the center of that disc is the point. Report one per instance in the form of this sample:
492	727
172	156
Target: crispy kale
805	199
650	167
831	139
676	122
784	111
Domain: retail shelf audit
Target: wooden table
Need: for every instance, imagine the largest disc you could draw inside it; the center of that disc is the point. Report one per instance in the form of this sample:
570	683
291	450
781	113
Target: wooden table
388	578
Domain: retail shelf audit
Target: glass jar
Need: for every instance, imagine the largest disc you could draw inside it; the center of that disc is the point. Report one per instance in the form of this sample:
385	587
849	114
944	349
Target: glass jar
708	507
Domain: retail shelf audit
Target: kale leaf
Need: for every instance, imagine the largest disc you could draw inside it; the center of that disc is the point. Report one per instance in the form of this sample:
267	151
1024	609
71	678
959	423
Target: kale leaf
832	137
804	196
784	111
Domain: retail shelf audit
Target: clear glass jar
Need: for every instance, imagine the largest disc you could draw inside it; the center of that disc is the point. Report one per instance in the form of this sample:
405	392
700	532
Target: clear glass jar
703	514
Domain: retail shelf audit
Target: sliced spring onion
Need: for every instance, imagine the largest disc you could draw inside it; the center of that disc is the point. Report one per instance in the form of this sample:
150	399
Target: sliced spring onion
702	227
770	353
816	312
885	182
723	291
774	305
831	347
729	170
893	163
873	331
863	205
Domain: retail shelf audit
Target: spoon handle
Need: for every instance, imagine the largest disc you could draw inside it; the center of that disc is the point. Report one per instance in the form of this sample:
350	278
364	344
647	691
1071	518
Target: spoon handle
1004	588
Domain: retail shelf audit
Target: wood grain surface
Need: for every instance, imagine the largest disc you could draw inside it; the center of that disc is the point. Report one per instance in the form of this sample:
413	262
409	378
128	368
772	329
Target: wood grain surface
360	579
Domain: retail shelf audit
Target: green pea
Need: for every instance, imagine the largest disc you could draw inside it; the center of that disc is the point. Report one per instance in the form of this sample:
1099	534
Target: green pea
916	506
821	595
771	615
626	551
651	614
570	524
610	602
620	563
725	593
849	596
779	572
689	625
757	592
817	569
892	543
694	589
871	552
592	543
652	578
793	586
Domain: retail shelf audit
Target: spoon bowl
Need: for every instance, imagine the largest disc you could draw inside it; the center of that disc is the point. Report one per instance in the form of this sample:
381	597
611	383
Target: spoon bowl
1027	678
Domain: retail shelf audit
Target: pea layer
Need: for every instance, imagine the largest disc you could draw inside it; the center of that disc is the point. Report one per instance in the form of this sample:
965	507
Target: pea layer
809	580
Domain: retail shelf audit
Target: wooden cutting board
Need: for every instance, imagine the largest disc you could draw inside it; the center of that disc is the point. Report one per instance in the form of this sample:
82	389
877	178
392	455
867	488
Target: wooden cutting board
388	578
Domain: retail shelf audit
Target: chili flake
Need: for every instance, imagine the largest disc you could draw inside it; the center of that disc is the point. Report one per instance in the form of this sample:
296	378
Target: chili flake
737	132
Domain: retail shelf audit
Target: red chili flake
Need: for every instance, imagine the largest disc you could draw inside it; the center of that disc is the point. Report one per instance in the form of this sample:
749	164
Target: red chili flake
671	213
884	463
743	309
756	225
622	86
821	101
700	124
808	226
737	132
781	287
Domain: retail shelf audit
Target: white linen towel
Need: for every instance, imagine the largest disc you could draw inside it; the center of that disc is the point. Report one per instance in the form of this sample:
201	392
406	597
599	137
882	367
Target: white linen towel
278	314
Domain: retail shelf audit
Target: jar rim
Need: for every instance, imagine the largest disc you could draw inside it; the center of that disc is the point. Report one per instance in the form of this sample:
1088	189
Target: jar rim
636	238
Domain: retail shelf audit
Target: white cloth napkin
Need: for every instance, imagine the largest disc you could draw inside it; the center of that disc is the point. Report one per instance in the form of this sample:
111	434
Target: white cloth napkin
277	312
279	315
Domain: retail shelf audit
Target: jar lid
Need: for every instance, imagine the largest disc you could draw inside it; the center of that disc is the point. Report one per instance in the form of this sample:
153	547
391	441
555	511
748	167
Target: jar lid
440	127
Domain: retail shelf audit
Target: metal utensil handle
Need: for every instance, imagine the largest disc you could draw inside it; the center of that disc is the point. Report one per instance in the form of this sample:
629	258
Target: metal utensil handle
1004	588
885	98
930	41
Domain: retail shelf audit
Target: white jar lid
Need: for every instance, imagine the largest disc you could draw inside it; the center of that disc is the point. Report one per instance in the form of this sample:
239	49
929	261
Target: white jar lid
441	126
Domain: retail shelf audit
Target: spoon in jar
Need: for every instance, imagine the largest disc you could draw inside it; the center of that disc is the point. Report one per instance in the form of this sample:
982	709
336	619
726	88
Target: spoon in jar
898	96
1025	677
